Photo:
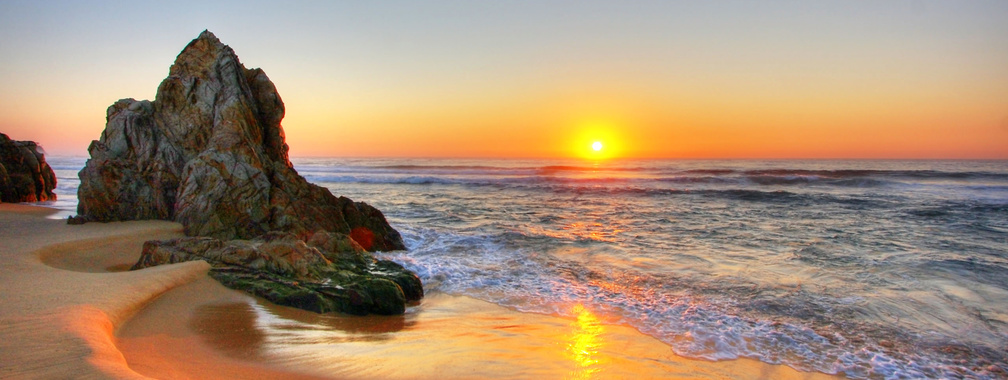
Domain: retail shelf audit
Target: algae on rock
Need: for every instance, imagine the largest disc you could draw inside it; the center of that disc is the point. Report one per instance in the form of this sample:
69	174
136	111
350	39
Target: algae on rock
330	272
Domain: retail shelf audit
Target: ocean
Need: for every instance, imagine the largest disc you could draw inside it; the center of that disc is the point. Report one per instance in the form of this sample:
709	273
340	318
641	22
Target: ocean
870	269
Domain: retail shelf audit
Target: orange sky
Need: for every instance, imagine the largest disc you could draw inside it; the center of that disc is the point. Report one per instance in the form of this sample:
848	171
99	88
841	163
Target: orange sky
664	79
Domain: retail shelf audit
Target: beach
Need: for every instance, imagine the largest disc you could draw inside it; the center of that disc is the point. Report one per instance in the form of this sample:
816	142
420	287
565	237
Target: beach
423	190
70	311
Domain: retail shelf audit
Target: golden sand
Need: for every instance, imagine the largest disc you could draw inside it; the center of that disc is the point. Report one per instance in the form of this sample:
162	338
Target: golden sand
56	323
68	312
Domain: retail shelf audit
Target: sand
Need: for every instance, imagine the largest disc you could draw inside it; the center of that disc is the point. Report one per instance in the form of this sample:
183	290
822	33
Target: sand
61	307
56	323
69	311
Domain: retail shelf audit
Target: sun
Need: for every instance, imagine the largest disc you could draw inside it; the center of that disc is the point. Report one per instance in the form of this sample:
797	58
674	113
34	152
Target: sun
596	141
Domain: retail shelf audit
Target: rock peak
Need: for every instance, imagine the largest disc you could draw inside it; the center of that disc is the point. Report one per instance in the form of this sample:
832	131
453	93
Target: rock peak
203	53
206	34
205	40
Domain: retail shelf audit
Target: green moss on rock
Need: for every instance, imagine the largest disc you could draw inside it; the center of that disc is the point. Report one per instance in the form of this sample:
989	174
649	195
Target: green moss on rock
288	271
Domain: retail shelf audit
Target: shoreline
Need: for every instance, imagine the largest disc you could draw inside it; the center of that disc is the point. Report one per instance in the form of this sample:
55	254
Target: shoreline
71	316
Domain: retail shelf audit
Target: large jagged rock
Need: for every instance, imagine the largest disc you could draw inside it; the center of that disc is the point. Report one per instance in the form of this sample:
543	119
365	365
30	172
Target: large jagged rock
209	152
328	272
24	174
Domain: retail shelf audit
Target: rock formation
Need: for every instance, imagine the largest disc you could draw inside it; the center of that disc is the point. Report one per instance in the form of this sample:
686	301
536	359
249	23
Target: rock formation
24	174
209	153
328	272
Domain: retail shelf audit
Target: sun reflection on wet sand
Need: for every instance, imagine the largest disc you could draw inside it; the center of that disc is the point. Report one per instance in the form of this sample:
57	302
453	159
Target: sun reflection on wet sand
443	337
584	343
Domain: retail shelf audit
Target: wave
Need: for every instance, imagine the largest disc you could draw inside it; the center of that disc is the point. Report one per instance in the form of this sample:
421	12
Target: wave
740	189
527	185
372	179
572	168
691	314
974	268
493	168
781	180
853	173
437	167
484	174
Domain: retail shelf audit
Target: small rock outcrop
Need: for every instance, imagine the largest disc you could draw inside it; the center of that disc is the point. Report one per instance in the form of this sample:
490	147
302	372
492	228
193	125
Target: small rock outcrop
327	273
209	152
24	174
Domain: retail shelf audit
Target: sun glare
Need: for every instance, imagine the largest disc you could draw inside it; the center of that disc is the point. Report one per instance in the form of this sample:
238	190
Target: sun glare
597	140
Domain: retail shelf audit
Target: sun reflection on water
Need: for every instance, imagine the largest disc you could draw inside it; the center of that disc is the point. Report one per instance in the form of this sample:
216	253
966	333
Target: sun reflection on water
584	343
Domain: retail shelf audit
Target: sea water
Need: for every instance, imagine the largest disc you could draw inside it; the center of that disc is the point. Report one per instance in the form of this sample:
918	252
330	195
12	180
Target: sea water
892	269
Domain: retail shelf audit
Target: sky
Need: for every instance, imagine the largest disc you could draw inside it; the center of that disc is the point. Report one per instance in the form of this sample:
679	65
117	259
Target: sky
543	79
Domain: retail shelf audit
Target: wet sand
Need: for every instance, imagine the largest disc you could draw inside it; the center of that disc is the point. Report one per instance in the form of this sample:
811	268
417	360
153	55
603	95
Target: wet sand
457	337
100	323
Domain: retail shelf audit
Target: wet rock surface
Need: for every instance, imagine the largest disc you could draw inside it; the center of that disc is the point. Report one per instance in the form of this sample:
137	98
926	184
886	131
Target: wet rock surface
328	273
